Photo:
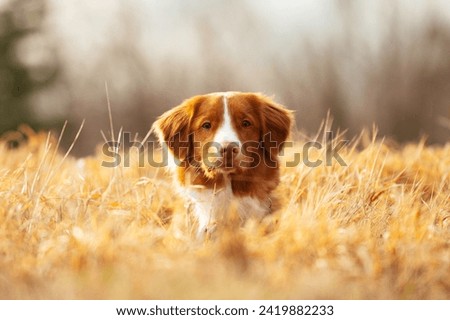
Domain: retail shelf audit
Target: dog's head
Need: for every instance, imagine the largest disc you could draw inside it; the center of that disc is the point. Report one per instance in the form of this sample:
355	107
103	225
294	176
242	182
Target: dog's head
225	132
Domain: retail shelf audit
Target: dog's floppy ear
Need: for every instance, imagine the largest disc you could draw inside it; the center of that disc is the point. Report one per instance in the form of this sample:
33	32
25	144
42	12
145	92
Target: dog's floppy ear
172	128
276	125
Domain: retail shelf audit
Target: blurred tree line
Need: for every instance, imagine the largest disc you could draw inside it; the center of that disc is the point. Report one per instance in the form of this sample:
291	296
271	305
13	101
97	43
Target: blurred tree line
22	72
366	62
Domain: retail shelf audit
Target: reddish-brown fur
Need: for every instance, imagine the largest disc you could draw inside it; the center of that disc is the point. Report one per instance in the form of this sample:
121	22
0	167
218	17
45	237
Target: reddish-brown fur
181	128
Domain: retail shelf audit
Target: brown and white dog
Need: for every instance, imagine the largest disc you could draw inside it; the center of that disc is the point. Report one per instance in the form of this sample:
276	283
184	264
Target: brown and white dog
223	149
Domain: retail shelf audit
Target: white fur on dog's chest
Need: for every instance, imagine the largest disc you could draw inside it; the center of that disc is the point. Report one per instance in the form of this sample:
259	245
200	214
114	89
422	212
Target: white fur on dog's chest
212	205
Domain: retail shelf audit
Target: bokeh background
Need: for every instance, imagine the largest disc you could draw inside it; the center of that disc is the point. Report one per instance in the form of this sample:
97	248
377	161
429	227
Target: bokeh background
367	62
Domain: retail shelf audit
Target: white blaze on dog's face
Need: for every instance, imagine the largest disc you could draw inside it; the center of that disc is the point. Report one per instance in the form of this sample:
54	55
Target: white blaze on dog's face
224	132
224	151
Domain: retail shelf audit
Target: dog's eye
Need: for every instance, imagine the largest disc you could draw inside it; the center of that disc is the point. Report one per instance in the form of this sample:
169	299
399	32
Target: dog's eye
206	125
246	123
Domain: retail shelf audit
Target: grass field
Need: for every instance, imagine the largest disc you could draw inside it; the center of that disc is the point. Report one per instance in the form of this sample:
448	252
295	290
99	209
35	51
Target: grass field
378	228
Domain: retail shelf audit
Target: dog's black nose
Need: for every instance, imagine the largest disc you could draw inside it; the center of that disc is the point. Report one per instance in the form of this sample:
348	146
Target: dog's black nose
229	148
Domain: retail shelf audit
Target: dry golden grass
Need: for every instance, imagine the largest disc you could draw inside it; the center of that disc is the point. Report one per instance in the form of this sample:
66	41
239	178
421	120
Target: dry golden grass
377	228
